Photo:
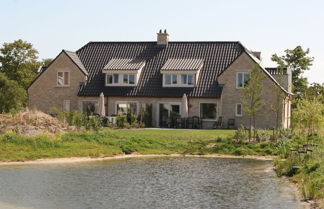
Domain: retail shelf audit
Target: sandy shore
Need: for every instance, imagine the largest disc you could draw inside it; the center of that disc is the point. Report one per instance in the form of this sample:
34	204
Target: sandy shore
89	159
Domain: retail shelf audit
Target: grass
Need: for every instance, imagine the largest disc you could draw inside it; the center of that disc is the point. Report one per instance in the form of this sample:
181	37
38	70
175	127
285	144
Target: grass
109	142
305	169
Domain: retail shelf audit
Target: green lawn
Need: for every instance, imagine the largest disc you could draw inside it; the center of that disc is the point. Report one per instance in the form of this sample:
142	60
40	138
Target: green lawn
110	142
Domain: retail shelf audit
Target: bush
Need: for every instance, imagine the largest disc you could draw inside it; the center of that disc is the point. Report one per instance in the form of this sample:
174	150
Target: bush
263	135
75	118
121	121
241	134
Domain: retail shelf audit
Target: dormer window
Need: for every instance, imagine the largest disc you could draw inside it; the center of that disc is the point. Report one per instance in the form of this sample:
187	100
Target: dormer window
181	72
187	79
112	78
123	72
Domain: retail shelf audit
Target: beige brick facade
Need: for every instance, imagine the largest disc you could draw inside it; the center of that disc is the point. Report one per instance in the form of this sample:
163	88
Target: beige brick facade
231	96
44	93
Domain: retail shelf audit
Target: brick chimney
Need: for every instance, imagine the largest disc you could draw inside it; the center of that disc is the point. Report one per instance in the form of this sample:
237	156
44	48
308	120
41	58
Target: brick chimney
162	38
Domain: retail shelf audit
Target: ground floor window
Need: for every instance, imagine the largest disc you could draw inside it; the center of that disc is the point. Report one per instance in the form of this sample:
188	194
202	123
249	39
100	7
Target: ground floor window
90	107
126	108
208	111
66	105
238	110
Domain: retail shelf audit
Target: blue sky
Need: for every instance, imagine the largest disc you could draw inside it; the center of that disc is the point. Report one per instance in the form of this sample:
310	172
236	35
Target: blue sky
267	26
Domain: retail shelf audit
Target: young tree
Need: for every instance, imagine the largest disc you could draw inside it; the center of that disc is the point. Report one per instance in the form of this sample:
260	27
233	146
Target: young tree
298	60
12	96
18	61
252	97
309	116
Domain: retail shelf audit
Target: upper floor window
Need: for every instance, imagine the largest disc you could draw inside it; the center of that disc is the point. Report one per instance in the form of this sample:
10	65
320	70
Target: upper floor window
242	79
179	80
120	79
187	79
129	79
63	78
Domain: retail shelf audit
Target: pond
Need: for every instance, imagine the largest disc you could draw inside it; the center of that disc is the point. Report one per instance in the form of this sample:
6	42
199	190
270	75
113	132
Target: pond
177	182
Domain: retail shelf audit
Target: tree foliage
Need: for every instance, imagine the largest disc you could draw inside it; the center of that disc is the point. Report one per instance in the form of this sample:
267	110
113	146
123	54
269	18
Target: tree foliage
308	117
12	96
298	60
315	90
252	96
19	62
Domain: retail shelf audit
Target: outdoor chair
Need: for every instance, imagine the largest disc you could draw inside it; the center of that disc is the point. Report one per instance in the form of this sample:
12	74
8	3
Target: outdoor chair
196	122
189	122
218	123
179	122
231	123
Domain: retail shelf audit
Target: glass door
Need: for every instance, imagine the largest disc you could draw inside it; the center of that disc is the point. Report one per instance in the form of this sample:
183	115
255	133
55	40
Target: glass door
168	112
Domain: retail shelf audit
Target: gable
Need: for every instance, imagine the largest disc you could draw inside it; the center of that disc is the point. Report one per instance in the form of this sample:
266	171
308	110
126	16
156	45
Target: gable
64	60
63	63
245	62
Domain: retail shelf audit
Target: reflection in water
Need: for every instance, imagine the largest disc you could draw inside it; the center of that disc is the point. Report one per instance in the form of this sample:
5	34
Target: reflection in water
146	183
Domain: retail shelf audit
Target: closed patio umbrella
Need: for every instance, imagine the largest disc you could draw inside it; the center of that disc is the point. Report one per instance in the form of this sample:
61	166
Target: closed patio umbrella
101	110
184	106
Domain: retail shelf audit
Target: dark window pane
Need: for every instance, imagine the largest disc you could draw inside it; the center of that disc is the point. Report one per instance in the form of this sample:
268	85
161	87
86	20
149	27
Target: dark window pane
191	79
89	107
167	79
125	78
174	79
183	79
208	110
246	79
132	108
131	79
239	109
240	80
109	79
116	78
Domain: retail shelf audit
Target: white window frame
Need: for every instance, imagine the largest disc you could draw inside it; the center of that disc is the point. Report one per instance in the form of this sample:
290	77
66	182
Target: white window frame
237	77
179	83
88	100
121	79
126	102
236	113
57	77
66	103
208	103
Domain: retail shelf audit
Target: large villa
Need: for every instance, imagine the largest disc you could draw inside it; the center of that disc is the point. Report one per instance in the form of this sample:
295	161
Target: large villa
133	76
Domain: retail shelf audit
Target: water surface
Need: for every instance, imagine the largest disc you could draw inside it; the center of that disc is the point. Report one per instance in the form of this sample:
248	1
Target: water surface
146	183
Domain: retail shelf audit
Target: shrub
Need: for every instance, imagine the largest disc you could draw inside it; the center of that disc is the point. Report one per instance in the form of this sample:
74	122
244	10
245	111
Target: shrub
241	134
95	122
263	135
121	121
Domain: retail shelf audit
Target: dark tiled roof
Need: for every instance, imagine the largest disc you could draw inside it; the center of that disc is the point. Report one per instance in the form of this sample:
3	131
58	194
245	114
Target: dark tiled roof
124	64
182	64
217	57
74	57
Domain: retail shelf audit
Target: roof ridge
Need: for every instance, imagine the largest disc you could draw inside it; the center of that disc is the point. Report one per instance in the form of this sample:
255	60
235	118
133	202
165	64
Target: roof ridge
91	42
